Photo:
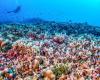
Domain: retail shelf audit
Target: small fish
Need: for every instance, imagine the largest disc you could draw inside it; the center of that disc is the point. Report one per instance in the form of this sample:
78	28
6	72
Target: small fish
15	10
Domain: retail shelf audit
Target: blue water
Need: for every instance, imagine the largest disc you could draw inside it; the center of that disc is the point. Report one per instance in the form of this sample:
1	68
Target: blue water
56	10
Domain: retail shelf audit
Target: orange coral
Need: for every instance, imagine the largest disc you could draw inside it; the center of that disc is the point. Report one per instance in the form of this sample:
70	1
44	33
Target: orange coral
63	77
36	65
2	43
49	75
22	49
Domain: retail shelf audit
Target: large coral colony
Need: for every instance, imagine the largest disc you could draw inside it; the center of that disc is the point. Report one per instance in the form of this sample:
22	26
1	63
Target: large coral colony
49	51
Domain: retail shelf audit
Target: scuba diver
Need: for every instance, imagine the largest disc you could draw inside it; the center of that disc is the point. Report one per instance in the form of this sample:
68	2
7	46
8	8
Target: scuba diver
15	10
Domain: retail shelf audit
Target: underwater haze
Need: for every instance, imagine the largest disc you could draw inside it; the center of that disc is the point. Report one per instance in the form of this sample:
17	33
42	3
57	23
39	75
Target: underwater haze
52	10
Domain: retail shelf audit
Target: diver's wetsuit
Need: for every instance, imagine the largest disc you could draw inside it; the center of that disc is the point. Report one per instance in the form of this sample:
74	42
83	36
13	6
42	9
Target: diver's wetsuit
15	10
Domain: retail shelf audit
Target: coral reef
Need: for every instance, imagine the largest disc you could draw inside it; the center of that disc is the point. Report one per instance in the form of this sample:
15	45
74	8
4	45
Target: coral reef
49	51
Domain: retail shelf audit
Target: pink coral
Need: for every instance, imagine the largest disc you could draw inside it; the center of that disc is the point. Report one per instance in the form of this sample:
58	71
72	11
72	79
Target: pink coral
58	39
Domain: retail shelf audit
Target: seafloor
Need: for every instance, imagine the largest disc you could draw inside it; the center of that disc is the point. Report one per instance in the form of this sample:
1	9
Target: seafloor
44	50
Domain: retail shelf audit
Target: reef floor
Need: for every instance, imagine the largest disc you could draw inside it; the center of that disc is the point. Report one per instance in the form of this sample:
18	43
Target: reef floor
47	50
